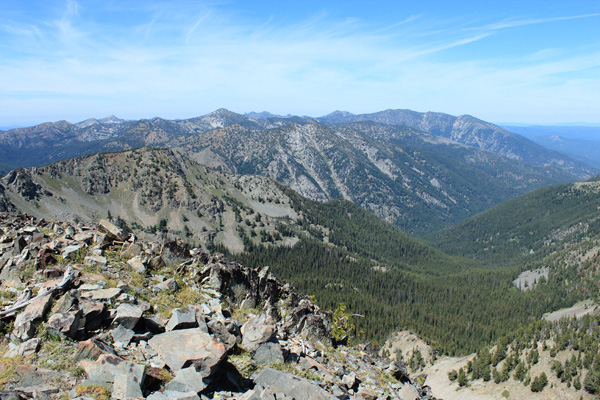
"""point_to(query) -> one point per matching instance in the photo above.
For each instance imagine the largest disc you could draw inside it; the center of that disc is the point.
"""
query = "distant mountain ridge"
(470, 131)
(422, 181)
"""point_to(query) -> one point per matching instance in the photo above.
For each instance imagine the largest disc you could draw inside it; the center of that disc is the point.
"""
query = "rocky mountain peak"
(91, 309)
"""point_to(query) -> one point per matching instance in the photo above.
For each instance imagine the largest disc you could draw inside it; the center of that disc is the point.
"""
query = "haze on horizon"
(534, 62)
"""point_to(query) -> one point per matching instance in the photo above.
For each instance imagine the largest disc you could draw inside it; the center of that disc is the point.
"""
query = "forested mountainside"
(420, 181)
(335, 251)
(527, 228)
(556, 355)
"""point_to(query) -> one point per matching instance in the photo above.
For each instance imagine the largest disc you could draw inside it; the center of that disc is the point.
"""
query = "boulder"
(128, 315)
(169, 284)
(290, 385)
(220, 331)
(103, 294)
(182, 319)
(97, 261)
(125, 387)
(122, 335)
(257, 331)
(182, 348)
(137, 265)
(27, 321)
(187, 380)
(154, 324)
(268, 353)
(112, 230)
(93, 348)
(24, 349)
(65, 323)
(70, 251)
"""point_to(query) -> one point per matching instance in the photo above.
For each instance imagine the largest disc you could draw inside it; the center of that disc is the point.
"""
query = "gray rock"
(154, 324)
(256, 331)
(31, 317)
(169, 284)
(29, 375)
(65, 323)
(93, 348)
(108, 366)
(86, 237)
(349, 380)
(93, 312)
(103, 294)
(122, 335)
(181, 348)
(220, 331)
(24, 349)
(90, 286)
(268, 353)
(69, 251)
(128, 315)
(125, 387)
(187, 380)
(65, 303)
(98, 261)
(172, 395)
(290, 385)
(137, 265)
(182, 319)
(113, 230)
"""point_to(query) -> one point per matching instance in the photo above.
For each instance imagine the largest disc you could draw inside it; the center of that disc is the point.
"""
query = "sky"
(508, 61)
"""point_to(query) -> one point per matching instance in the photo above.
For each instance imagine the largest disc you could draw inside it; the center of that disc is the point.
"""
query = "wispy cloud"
(515, 22)
(183, 61)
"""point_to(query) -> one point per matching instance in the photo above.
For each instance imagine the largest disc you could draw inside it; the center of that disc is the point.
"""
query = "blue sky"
(502, 61)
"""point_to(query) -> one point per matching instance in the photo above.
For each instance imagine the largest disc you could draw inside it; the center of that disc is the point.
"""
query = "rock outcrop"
(74, 326)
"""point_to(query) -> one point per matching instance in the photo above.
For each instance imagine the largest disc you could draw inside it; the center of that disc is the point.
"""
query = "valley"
(330, 205)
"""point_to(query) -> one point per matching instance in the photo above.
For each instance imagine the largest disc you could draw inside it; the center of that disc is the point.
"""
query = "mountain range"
(507, 235)
(434, 172)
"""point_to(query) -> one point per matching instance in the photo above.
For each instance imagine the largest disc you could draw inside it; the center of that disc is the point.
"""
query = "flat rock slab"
(291, 386)
(108, 366)
(181, 348)
(93, 348)
(24, 349)
(98, 261)
(29, 375)
(102, 294)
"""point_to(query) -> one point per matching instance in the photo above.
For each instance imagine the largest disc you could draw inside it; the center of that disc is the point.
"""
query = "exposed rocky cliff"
(91, 311)
(472, 132)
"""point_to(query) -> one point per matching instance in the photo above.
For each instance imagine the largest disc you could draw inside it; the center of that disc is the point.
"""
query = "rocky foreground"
(88, 311)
